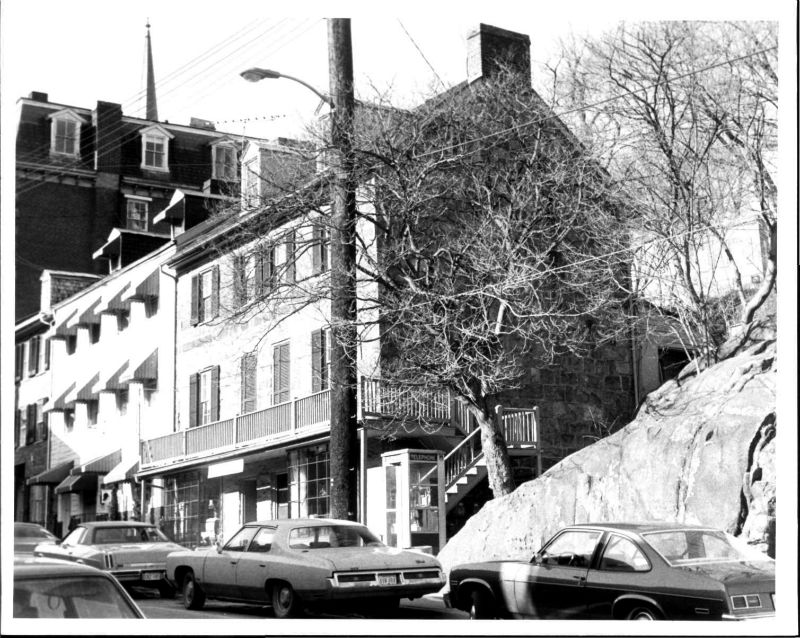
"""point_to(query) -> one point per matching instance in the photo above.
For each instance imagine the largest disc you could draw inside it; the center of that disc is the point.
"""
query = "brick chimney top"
(489, 48)
(38, 96)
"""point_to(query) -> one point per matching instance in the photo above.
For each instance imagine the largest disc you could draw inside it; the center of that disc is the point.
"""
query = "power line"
(430, 66)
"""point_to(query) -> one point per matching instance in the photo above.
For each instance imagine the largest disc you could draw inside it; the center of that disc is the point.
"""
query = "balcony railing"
(285, 420)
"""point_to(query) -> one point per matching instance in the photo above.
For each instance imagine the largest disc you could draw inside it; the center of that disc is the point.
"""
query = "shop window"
(309, 482)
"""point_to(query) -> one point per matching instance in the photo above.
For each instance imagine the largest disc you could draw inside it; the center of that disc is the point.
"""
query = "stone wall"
(701, 450)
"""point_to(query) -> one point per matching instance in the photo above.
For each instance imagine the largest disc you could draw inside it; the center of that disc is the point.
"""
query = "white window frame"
(224, 149)
(204, 397)
(157, 134)
(129, 199)
(70, 117)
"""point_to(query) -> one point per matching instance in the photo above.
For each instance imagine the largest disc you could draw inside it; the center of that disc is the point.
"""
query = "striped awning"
(53, 476)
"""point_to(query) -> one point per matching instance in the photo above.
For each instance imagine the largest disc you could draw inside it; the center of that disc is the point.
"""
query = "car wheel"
(642, 613)
(165, 590)
(193, 595)
(481, 606)
(285, 602)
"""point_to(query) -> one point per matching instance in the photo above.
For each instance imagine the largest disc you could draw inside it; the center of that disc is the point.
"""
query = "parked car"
(296, 563)
(45, 588)
(29, 535)
(134, 553)
(622, 571)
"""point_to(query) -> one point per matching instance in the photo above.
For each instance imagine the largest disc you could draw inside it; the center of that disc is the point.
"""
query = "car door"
(552, 584)
(253, 568)
(220, 569)
(622, 568)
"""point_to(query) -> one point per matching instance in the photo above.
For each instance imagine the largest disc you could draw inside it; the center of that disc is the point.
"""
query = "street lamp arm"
(255, 74)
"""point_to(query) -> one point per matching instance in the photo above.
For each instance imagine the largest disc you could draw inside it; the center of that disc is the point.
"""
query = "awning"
(78, 483)
(53, 476)
(102, 464)
(124, 471)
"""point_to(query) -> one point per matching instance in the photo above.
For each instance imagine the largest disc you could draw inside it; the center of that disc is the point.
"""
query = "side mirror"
(538, 558)
(219, 546)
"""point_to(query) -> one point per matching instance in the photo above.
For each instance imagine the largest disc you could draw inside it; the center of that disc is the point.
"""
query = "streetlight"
(343, 353)
(257, 74)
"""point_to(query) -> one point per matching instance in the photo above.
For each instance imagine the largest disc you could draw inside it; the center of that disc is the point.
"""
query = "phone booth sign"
(414, 500)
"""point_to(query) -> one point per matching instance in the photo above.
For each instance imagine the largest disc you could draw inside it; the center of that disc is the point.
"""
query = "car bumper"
(762, 616)
(447, 602)
(143, 577)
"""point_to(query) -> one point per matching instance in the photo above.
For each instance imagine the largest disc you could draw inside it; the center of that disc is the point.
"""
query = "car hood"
(369, 558)
(736, 575)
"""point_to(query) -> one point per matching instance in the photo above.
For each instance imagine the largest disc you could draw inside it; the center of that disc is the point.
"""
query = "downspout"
(50, 491)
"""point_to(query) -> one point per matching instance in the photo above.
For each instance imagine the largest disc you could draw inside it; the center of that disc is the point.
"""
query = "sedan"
(134, 553)
(623, 571)
(291, 564)
(28, 535)
(46, 588)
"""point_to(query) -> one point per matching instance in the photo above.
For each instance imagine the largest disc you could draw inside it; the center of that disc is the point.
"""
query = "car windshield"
(325, 536)
(25, 531)
(106, 535)
(692, 546)
(70, 597)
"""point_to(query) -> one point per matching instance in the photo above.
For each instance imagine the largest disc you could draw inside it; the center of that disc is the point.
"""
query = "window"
(289, 273)
(240, 280)
(33, 355)
(224, 162)
(251, 182)
(136, 213)
(17, 427)
(622, 555)
(204, 397)
(571, 549)
(248, 382)
(205, 296)
(320, 360)
(42, 426)
(30, 424)
(241, 540)
(280, 373)
(19, 370)
(262, 542)
(309, 481)
(264, 271)
(65, 134)
(155, 148)
(319, 249)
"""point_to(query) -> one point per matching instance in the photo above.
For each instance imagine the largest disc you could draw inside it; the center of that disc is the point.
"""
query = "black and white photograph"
(420, 319)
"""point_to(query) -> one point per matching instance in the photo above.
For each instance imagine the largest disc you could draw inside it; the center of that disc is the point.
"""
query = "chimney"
(198, 122)
(107, 122)
(489, 49)
(38, 96)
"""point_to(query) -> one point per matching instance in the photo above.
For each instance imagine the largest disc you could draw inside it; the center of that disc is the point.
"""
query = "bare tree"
(684, 115)
(489, 244)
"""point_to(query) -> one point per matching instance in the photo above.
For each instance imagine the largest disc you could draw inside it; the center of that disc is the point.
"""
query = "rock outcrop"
(701, 450)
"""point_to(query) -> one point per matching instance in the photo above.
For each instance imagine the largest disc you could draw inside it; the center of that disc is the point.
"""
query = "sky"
(82, 51)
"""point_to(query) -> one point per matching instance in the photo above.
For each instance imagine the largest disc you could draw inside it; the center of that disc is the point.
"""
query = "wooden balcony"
(282, 422)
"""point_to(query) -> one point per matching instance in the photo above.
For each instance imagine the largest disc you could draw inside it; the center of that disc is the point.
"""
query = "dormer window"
(225, 161)
(65, 133)
(155, 148)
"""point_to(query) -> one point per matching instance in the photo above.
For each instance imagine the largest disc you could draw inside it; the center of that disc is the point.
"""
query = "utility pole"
(343, 437)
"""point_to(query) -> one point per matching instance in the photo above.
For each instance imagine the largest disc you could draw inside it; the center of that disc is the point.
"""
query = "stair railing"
(462, 457)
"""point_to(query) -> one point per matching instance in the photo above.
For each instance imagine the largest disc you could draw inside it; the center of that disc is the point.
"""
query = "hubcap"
(285, 597)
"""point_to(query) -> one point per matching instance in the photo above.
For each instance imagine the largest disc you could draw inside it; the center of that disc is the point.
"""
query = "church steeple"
(152, 109)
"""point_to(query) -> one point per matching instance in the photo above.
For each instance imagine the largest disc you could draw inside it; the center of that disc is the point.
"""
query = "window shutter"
(280, 379)
(194, 385)
(239, 281)
(215, 393)
(316, 361)
(20, 361)
(214, 293)
(17, 426)
(33, 356)
(47, 354)
(195, 319)
(290, 257)
(316, 250)
(30, 424)
(248, 384)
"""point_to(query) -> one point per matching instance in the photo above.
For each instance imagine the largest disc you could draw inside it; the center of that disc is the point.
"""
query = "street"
(421, 608)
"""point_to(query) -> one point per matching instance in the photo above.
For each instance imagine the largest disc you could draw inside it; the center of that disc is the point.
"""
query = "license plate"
(152, 576)
(387, 580)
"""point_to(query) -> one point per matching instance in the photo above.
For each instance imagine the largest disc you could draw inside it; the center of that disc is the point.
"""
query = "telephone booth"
(406, 505)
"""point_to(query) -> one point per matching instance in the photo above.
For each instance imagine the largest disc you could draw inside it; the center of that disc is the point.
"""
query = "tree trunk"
(495, 452)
